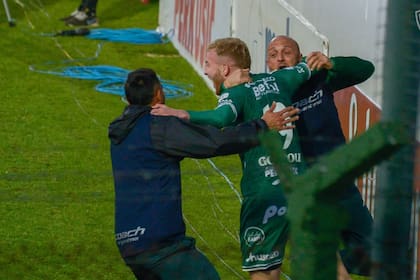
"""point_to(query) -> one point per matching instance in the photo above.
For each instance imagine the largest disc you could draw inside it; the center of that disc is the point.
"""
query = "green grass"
(56, 186)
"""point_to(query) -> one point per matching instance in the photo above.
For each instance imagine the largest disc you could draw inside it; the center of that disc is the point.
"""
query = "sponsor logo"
(294, 157)
(270, 172)
(129, 236)
(262, 257)
(273, 211)
(310, 102)
(223, 96)
(276, 182)
(300, 69)
(224, 100)
(254, 236)
(291, 157)
(264, 161)
(263, 87)
(295, 170)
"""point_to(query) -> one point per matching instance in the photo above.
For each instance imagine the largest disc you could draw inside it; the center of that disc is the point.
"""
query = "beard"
(217, 82)
(217, 85)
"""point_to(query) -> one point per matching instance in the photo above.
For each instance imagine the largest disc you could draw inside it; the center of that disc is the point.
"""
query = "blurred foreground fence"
(392, 197)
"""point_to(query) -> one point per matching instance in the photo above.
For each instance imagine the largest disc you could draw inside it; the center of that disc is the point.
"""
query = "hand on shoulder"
(163, 110)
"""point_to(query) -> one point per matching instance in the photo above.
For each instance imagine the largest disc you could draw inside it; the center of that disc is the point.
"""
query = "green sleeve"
(293, 77)
(219, 117)
(348, 71)
(226, 113)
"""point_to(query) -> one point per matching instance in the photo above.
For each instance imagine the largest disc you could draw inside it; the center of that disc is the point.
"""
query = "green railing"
(315, 220)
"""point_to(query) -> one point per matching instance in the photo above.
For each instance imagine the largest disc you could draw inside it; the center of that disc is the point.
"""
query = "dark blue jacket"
(319, 126)
(145, 153)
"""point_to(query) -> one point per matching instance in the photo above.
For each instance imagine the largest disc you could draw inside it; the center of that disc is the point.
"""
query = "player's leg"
(272, 274)
(181, 261)
(264, 233)
(356, 236)
(342, 273)
(188, 263)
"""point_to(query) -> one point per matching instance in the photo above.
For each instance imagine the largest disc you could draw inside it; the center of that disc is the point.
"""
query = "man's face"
(213, 68)
(282, 52)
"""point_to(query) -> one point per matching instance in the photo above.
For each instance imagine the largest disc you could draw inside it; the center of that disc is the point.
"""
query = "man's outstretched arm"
(223, 116)
(348, 71)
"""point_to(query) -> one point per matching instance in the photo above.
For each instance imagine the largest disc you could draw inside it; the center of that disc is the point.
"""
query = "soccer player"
(263, 225)
(320, 132)
(146, 152)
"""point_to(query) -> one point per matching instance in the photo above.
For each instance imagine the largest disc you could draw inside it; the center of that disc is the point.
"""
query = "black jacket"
(145, 153)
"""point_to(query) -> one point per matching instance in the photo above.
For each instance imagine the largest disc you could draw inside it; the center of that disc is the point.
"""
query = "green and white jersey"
(249, 101)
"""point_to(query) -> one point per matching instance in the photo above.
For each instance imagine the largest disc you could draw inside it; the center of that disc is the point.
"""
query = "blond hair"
(233, 48)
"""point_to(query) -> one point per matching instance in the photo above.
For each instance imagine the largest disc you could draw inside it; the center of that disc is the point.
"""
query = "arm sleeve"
(226, 113)
(348, 71)
(180, 138)
(294, 77)
(220, 117)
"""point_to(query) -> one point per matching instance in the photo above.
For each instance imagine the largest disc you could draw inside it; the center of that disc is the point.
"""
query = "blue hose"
(127, 35)
(112, 79)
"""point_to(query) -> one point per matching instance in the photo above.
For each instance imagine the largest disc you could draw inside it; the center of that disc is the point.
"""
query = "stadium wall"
(349, 28)
(197, 23)
(337, 28)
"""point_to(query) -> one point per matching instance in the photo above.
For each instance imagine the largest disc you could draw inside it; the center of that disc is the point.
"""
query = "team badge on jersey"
(254, 236)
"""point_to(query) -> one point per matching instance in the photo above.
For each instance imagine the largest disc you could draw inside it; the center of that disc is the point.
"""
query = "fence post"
(394, 192)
